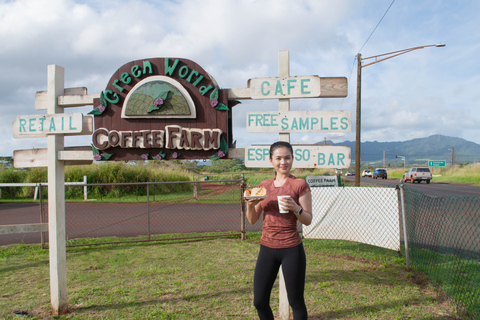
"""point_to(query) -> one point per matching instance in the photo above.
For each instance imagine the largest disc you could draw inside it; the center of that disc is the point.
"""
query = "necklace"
(279, 183)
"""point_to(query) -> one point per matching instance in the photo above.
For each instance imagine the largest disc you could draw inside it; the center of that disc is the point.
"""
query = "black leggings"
(293, 263)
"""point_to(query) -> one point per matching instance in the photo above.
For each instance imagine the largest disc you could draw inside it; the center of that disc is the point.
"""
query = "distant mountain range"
(416, 151)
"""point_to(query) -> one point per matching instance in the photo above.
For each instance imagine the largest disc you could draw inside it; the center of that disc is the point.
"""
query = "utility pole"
(358, 123)
(384, 56)
(453, 156)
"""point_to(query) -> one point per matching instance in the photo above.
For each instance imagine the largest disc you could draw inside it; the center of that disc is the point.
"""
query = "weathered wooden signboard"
(304, 156)
(297, 87)
(162, 108)
(285, 121)
(41, 125)
(299, 121)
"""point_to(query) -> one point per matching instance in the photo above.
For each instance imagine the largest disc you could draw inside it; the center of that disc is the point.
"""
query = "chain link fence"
(149, 211)
(443, 233)
(367, 215)
(444, 242)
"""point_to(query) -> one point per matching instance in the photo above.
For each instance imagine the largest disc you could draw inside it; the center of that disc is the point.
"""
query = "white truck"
(418, 174)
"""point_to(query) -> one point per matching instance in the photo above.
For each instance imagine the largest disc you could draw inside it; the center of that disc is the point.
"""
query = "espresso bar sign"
(304, 156)
(161, 108)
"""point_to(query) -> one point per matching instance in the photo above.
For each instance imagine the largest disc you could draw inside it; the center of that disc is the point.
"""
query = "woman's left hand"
(289, 203)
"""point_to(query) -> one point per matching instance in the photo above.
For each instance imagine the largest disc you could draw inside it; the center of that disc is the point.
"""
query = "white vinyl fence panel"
(366, 215)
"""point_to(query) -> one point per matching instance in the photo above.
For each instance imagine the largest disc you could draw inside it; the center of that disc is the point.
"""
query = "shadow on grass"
(187, 298)
(24, 266)
(348, 313)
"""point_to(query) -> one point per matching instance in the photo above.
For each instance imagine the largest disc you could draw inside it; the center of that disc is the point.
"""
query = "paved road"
(93, 219)
(433, 189)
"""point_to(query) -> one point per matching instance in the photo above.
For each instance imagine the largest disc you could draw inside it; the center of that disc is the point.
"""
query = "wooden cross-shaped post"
(283, 106)
(56, 197)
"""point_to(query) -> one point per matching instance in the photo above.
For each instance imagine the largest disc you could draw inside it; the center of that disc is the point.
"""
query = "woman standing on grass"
(280, 243)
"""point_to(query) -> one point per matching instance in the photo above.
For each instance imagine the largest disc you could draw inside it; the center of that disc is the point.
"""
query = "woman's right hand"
(253, 202)
(252, 214)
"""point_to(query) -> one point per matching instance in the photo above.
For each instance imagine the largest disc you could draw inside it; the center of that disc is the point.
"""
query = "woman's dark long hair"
(280, 144)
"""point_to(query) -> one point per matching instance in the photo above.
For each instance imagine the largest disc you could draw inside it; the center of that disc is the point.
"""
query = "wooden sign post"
(54, 126)
(284, 122)
(199, 127)
(56, 198)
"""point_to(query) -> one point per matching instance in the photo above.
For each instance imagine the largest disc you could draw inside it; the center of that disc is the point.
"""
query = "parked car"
(367, 173)
(380, 173)
(350, 173)
(418, 174)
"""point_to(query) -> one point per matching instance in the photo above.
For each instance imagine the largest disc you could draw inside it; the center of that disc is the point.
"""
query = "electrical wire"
(355, 59)
(376, 26)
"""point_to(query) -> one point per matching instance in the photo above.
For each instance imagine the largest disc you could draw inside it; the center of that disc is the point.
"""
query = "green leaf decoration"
(106, 156)
(95, 112)
(103, 100)
(221, 107)
(152, 108)
(163, 154)
(223, 145)
(214, 94)
(94, 150)
(164, 96)
(214, 157)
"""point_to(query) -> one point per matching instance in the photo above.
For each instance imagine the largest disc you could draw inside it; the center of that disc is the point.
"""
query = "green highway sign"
(436, 163)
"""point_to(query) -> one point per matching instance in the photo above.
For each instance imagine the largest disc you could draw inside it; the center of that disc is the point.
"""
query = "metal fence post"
(85, 194)
(42, 234)
(404, 222)
(148, 210)
(243, 215)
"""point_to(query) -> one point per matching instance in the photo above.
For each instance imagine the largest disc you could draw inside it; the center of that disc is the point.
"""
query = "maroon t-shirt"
(280, 229)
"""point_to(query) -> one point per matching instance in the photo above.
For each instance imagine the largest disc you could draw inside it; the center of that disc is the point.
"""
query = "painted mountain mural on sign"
(143, 101)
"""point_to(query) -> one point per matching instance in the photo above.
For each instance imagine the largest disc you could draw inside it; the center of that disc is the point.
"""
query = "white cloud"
(238, 40)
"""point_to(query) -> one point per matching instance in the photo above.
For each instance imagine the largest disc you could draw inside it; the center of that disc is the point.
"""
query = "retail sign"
(299, 121)
(161, 108)
(298, 87)
(41, 125)
(304, 156)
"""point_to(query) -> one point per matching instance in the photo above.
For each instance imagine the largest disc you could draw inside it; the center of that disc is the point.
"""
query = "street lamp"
(384, 56)
(397, 156)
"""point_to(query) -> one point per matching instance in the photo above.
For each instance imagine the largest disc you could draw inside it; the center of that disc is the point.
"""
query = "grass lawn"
(212, 279)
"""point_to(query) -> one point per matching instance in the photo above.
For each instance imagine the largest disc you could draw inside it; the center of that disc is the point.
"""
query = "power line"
(355, 59)
(376, 26)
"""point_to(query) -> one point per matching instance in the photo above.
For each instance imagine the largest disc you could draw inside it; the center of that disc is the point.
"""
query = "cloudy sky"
(424, 92)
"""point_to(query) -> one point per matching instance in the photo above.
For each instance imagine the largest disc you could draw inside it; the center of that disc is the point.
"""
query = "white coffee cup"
(280, 208)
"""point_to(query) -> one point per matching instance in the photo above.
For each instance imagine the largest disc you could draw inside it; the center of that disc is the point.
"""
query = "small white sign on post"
(322, 181)
(288, 87)
(305, 156)
(299, 121)
(41, 125)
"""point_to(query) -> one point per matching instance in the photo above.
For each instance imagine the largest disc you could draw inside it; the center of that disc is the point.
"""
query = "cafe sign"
(161, 108)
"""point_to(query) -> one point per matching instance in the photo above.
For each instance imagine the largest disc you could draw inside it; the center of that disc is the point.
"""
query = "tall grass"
(105, 172)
